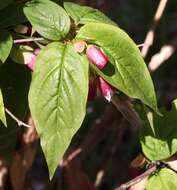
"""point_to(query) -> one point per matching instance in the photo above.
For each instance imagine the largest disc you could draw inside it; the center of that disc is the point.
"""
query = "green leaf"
(57, 98)
(12, 15)
(165, 179)
(126, 71)
(84, 14)
(159, 133)
(2, 111)
(5, 3)
(6, 42)
(48, 19)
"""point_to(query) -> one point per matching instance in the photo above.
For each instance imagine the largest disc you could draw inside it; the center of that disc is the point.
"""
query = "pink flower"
(105, 89)
(37, 51)
(80, 46)
(29, 59)
(96, 56)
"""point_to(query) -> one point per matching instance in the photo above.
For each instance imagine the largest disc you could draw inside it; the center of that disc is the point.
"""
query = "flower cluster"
(97, 57)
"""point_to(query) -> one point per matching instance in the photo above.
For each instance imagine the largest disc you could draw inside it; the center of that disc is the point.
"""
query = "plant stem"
(151, 33)
(28, 40)
(137, 179)
(19, 122)
(140, 45)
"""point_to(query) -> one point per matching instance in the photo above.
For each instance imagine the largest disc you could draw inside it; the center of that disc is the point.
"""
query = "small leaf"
(5, 3)
(6, 42)
(165, 179)
(12, 15)
(159, 133)
(84, 14)
(2, 111)
(48, 19)
(126, 71)
(57, 98)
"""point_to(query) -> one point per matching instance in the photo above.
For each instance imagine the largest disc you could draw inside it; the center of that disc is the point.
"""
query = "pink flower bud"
(37, 51)
(29, 59)
(105, 89)
(96, 56)
(92, 89)
(80, 46)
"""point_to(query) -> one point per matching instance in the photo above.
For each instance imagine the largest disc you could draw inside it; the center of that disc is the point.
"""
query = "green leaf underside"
(159, 133)
(5, 3)
(57, 98)
(126, 70)
(12, 15)
(84, 14)
(2, 111)
(48, 19)
(165, 179)
(6, 42)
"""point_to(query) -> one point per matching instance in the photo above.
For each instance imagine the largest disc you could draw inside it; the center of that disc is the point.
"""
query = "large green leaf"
(159, 133)
(12, 15)
(6, 42)
(126, 70)
(2, 111)
(5, 3)
(48, 19)
(57, 98)
(165, 179)
(84, 14)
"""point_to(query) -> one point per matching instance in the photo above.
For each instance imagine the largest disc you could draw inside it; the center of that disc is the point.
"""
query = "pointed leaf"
(165, 179)
(84, 14)
(48, 19)
(2, 111)
(126, 70)
(159, 133)
(5, 45)
(57, 98)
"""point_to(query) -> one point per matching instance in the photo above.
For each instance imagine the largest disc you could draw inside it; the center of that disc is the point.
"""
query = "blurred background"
(106, 144)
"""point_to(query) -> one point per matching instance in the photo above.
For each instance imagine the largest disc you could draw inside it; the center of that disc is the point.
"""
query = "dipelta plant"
(68, 48)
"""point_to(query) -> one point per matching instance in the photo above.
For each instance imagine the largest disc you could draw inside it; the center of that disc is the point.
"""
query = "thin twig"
(150, 35)
(28, 40)
(19, 122)
(167, 165)
(137, 179)
(164, 54)
(125, 106)
(140, 45)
